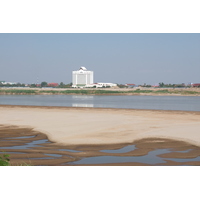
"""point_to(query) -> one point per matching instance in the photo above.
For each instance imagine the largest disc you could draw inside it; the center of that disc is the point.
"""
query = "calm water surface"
(185, 103)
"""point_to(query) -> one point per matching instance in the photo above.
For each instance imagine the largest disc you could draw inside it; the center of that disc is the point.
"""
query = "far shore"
(82, 126)
(102, 91)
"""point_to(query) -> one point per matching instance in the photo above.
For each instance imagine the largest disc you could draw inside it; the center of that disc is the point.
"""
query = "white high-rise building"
(82, 77)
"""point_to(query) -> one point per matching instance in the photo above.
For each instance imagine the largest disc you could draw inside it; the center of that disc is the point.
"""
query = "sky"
(120, 58)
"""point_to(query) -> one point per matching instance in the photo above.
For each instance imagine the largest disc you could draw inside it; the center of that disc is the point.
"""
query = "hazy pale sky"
(114, 57)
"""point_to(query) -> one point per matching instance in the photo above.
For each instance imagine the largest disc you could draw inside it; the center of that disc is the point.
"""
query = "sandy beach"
(81, 126)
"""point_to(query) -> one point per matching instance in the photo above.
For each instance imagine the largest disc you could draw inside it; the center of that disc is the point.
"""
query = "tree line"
(35, 85)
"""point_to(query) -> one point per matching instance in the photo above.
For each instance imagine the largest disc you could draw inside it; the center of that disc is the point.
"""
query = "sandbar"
(75, 126)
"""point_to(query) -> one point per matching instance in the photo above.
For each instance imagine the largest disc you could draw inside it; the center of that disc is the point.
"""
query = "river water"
(184, 103)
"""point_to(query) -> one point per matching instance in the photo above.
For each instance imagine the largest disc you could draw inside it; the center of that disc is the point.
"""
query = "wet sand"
(46, 154)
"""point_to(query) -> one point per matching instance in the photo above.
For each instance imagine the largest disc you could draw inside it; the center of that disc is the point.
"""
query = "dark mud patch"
(28, 147)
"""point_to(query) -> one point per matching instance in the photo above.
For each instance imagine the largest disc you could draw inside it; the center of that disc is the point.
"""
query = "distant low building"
(7, 83)
(195, 84)
(53, 84)
(130, 85)
(155, 86)
(101, 85)
(106, 84)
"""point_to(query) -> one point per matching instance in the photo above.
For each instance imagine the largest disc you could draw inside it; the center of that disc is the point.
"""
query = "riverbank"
(98, 126)
(105, 91)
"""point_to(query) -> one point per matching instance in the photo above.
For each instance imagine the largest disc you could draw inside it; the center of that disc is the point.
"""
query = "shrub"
(4, 160)
(161, 91)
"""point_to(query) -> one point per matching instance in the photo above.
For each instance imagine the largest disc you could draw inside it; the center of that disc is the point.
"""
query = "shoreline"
(82, 126)
(120, 94)
(96, 108)
(103, 91)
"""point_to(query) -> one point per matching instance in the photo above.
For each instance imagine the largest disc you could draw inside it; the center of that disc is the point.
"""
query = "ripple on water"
(186, 151)
(28, 145)
(125, 149)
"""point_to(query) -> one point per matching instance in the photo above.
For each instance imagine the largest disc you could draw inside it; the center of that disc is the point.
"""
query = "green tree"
(61, 85)
(33, 85)
(44, 84)
(161, 84)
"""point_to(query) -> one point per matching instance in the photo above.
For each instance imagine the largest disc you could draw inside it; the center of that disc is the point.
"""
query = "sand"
(73, 126)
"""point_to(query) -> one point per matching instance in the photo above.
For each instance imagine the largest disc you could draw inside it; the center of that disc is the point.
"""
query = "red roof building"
(53, 85)
(196, 85)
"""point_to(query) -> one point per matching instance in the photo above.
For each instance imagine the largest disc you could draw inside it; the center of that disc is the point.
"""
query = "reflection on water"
(82, 101)
(187, 103)
(82, 105)
(82, 97)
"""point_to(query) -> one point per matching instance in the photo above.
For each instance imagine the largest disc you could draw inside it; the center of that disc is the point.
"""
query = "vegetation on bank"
(96, 92)
(17, 91)
(4, 160)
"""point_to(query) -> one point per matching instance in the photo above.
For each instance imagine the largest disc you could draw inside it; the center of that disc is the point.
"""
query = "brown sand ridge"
(73, 126)
(49, 153)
